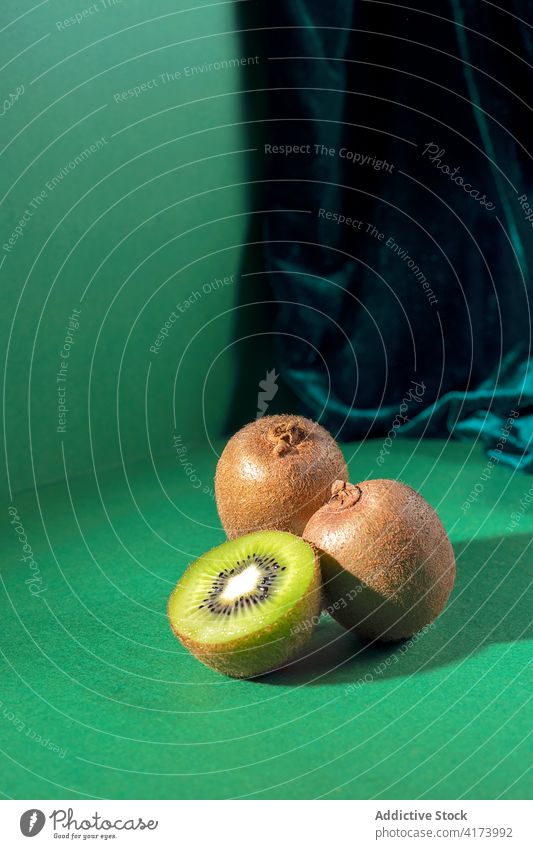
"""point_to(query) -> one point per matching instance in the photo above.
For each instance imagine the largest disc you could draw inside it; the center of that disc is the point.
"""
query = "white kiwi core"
(241, 584)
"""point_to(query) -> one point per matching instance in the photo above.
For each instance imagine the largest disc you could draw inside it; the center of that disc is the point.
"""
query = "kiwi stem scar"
(286, 437)
(345, 494)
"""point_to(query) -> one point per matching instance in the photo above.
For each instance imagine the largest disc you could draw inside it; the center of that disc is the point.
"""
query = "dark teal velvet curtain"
(399, 147)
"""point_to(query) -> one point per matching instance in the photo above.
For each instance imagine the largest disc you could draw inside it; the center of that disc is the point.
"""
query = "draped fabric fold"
(398, 144)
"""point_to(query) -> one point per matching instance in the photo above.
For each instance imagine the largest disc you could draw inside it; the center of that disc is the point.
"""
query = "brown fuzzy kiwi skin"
(266, 650)
(275, 473)
(388, 566)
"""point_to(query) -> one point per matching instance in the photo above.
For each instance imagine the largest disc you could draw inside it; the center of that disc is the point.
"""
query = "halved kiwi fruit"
(247, 606)
(387, 564)
(275, 473)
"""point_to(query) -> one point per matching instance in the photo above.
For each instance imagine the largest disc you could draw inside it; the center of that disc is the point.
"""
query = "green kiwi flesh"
(247, 606)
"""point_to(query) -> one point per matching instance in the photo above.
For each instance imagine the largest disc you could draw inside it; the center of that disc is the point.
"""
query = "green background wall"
(129, 231)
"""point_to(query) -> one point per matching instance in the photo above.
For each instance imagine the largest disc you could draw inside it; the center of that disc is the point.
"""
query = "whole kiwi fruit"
(388, 566)
(275, 473)
(247, 606)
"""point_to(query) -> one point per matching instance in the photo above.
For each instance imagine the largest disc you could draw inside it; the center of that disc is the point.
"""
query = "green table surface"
(99, 700)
